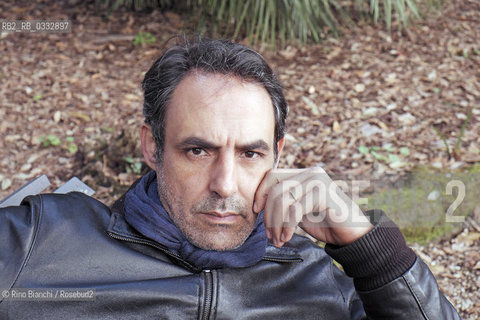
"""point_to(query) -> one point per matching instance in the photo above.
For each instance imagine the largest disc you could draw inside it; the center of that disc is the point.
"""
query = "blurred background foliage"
(282, 21)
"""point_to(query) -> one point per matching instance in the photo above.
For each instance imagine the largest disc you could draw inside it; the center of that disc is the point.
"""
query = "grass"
(419, 203)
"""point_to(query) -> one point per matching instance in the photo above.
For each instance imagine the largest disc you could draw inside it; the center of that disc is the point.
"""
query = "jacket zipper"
(273, 259)
(207, 272)
(152, 244)
(208, 293)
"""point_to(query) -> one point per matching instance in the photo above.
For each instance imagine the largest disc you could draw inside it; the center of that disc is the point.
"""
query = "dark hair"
(210, 56)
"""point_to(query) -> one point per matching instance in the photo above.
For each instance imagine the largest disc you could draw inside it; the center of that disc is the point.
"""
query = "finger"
(314, 224)
(314, 220)
(294, 216)
(283, 212)
(287, 234)
(273, 217)
(309, 179)
(261, 193)
(281, 188)
(280, 214)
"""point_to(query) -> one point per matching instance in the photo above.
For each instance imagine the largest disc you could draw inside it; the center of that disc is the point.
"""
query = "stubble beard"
(219, 237)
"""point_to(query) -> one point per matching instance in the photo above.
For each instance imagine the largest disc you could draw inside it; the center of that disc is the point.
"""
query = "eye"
(251, 154)
(197, 151)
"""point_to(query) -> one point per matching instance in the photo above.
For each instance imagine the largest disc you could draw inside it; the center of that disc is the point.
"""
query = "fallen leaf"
(78, 115)
(336, 126)
(311, 105)
(359, 87)
(6, 183)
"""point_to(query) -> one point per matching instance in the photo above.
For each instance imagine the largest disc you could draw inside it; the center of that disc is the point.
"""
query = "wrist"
(376, 258)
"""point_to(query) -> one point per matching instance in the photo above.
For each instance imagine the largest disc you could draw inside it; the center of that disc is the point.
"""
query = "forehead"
(220, 107)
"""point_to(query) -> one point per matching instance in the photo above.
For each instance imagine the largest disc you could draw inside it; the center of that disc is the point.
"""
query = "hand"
(308, 198)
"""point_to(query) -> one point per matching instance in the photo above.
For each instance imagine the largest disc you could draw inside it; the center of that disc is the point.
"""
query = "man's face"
(218, 146)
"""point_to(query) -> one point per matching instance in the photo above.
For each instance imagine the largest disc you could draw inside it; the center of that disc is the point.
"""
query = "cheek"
(250, 181)
(185, 181)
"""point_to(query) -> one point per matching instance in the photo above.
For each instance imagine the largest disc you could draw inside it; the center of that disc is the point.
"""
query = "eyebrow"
(202, 143)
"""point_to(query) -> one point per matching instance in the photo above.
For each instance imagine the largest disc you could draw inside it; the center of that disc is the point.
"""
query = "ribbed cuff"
(378, 257)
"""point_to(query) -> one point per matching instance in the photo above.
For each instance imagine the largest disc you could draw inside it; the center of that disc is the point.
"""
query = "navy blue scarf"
(145, 213)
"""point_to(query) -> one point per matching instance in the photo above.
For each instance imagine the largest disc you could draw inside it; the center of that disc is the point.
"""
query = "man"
(209, 232)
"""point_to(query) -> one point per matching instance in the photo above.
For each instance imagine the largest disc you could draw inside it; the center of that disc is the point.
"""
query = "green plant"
(70, 145)
(52, 140)
(387, 154)
(133, 165)
(455, 153)
(281, 20)
(143, 38)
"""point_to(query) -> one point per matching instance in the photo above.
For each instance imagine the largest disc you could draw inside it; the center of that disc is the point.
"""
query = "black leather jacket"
(73, 241)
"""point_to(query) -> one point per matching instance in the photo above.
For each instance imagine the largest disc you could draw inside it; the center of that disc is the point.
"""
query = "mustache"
(214, 203)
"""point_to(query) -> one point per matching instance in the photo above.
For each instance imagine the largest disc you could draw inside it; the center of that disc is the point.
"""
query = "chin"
(218, 242)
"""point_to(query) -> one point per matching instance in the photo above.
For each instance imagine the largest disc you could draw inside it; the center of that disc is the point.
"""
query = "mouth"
(221, 217)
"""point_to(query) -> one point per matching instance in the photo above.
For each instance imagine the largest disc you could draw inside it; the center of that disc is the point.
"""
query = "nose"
(223, 177)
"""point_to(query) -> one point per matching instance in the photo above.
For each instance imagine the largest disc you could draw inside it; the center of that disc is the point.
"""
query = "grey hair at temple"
(210, 56)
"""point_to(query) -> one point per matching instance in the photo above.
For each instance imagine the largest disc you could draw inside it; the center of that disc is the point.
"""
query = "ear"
(280, 145)
(148, 146)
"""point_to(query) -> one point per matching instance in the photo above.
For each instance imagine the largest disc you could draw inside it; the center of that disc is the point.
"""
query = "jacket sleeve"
(392, 282)
(17, 235)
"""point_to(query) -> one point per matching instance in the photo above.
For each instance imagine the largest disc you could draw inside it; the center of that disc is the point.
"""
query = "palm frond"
(272, 21)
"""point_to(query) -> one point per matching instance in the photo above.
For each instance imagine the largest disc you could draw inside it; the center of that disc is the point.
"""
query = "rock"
(311, 90)
(434, 195)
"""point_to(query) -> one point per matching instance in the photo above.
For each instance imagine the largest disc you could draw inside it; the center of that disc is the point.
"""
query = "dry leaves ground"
(365, 105)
